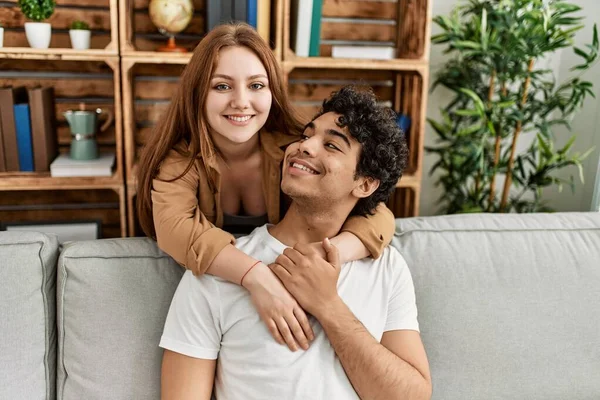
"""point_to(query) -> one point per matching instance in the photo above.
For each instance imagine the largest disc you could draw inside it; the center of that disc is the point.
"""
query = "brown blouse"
(188, 215)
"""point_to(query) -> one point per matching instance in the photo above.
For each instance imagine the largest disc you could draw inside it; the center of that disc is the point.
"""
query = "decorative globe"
(171, 16)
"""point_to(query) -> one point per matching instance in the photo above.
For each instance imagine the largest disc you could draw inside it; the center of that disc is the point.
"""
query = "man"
(367, 344)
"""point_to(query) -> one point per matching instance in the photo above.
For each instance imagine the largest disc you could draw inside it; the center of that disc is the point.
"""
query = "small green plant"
(37, 10)
(80, 25)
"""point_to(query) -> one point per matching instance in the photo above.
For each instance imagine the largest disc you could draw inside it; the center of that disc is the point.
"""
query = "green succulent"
(80, 25)
(37, 10)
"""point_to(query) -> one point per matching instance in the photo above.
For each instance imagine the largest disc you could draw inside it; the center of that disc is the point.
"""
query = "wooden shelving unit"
(142, 80)
(90, 76)
(400, 83)
(101, 15)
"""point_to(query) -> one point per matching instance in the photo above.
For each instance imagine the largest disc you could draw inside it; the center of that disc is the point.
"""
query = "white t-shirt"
(211, 318)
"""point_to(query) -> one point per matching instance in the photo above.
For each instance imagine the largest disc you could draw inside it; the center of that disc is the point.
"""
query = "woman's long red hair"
(185, 119)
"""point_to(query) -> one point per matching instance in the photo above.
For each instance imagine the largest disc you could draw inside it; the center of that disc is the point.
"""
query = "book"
(65, 166)
(302, 20)
(218, 12)
(9, 96)
(252, 13)
(240, 10)
(315, 30)
(264, 20)
(365, 52)
(24, 143)
(43, 122)
(403, 121)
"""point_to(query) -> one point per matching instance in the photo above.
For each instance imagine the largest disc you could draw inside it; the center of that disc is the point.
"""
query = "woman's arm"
(361, 237)
(184, 232)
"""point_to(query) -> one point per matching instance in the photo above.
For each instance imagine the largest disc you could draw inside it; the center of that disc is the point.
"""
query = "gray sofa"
(509, 308)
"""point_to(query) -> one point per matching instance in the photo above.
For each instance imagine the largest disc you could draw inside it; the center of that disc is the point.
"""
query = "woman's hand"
(282, 314)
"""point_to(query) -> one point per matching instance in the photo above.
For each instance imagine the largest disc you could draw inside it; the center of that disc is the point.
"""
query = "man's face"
(321, 166)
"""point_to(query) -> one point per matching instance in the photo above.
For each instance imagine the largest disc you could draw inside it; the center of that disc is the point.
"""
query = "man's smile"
(301, 165)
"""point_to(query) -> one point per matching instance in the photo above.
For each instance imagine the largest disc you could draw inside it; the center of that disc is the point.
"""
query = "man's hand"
(311, 279)
(286, 320)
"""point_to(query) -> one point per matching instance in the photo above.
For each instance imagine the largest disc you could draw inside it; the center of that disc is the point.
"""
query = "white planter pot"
(1, 37)
(38, 34)
(80, 38)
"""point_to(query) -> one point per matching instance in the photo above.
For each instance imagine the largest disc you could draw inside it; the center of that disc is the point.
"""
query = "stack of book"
(306, 27)
(66, 166)
(305, 35)
(28, 141)
(254, 12)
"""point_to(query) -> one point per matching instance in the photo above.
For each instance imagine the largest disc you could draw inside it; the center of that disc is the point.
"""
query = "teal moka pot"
(84, 126)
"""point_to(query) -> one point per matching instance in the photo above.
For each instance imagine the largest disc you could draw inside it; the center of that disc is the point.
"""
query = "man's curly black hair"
(384, 153)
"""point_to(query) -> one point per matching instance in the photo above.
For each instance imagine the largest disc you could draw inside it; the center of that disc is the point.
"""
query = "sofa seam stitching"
(108, 258)
(43, 288)
(496, 230)
(61, 354)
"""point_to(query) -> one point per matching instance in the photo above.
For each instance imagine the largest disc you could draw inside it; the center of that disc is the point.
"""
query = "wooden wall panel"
(400, 23)
(61, 19)
(153, 86)
(96, 13)
(144, 36)
(409, 90)
(403, 203)
(360, 9)
(16, 38)
(366, 32)
(309, 87)
(90, 83)
(413, 36)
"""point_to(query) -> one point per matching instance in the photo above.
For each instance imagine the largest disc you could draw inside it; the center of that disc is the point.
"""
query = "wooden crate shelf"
(101, 15)
(351, 63)
(43, 181)
(92, 82)
(95, 81)
(124, 73)
(138, 33)
(404, 202)
(107, 206)
(133, 227)
(401, 90)
(27, 53)
(403, 24)
(147, 91)
(140, 38)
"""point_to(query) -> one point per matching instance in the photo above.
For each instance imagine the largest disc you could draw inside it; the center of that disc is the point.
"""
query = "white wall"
(585, 123)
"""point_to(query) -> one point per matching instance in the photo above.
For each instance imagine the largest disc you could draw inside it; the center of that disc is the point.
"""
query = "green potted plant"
(496, 140)
(80, 35)
(38, 33)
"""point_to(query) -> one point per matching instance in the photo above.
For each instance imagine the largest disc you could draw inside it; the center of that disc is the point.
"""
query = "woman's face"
(239, 98)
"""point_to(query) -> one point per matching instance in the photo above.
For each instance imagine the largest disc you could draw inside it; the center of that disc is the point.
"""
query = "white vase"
(38, 34)
(1, 36)
(80, 38)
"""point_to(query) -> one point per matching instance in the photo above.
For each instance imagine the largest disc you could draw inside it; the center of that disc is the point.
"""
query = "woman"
(214, 164)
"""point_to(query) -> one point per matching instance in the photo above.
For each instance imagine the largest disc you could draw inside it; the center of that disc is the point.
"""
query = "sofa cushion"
(28, 315)
(508, 304)
(113, 298)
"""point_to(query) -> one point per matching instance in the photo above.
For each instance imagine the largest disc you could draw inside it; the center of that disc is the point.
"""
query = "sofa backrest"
(113, 296)
(508, 309)
(509, 305)
(27, 315)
